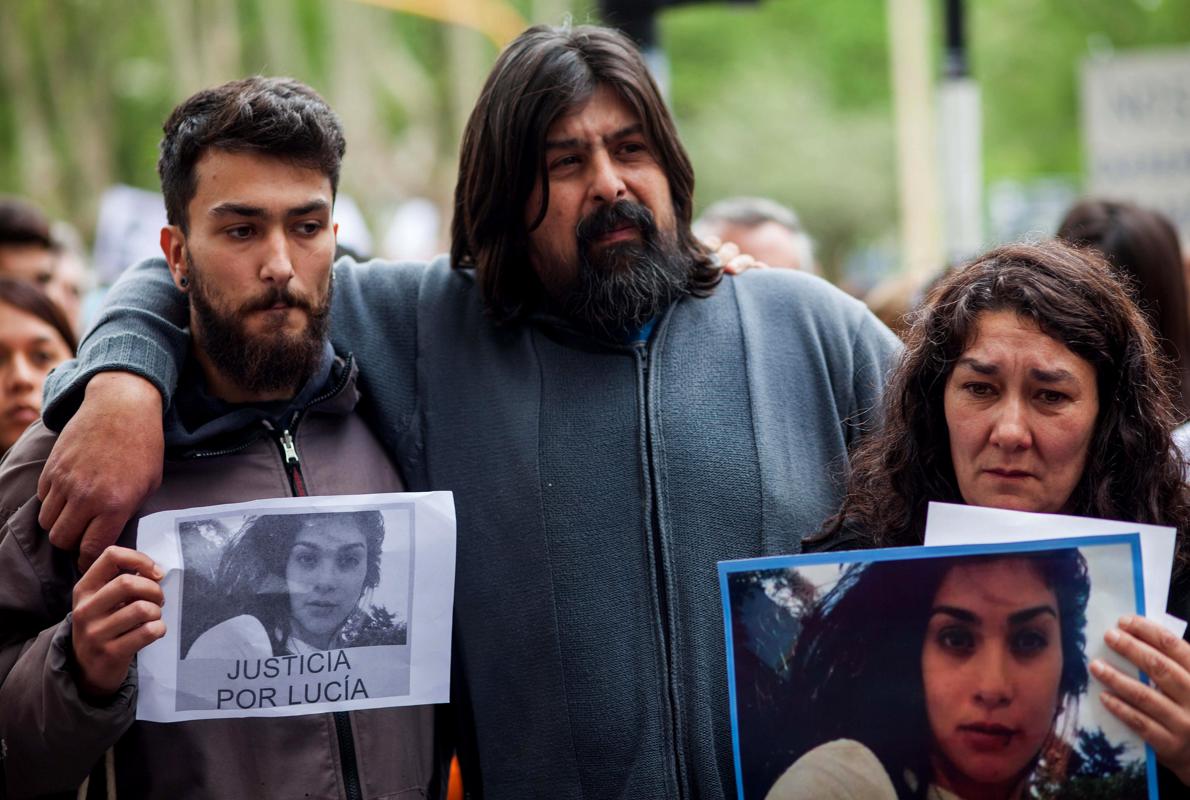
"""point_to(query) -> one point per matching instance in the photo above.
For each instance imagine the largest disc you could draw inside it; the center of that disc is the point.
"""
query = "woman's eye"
(1051, 396)
(42, 358)
(1029, 642)
(349, 562)
(979, 389)
(307, 560)
(956, 640)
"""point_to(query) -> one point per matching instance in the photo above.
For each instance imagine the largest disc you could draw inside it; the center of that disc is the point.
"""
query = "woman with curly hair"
(988, 651)
(1031, 381)
(296, 581)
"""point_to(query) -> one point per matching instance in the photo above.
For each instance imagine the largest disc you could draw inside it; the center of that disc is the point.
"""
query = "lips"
(987, 736)
(620, 234)
(319, 608)
(1008, 474)
(22, 414)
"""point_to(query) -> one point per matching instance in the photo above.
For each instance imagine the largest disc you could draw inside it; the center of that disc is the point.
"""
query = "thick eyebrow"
(576, 143)
(256, 212)
(1015, 618)
(1042, 375)
(961, 614)
(1029, 613)
(1051, 375)
(236, 210)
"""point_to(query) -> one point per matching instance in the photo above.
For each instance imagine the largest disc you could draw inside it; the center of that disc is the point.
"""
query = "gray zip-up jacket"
(596, 484)
(52, 737)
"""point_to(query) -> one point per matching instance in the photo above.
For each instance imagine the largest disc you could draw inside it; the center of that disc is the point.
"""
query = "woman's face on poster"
(991, 668)
(325, 576)
(1020, 412)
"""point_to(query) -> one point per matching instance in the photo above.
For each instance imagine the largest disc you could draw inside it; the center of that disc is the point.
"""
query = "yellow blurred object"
(495, 19)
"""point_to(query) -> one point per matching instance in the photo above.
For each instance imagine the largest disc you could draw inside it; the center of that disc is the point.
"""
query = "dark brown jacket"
(51, 738)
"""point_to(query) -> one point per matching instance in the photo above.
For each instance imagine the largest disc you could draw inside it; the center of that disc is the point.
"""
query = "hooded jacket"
(51, 736)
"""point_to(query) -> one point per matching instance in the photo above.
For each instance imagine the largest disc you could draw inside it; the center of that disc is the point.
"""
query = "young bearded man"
(263, 408)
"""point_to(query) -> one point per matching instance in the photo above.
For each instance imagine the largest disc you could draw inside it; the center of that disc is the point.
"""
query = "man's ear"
(173, 245)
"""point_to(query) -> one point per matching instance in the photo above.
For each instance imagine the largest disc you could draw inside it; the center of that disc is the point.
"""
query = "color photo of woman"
(944, 678)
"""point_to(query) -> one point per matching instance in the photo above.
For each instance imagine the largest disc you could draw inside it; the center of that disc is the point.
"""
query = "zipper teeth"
(348, 762)
(662, 577)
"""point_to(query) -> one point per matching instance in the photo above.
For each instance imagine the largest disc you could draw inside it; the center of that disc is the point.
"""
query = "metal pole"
(917, 173)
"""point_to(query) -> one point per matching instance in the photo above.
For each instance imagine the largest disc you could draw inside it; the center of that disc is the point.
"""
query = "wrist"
(127, 387)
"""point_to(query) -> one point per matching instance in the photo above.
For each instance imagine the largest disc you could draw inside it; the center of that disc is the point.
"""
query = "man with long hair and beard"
(264, 408)
(612, 413)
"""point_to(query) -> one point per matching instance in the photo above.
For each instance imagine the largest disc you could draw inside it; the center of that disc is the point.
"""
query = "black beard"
(620, 287)
(264, 363)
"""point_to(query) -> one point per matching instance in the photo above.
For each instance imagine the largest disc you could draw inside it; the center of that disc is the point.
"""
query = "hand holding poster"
(300, 605)
(932, 672)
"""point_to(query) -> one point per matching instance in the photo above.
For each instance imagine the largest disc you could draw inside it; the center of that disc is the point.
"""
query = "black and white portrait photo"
(281, 605)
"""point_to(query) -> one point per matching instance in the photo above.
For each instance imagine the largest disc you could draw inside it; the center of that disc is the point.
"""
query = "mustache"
(620, 214)
(277, 296)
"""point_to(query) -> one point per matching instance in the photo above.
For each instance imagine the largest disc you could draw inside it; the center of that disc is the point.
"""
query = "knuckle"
(148, 611)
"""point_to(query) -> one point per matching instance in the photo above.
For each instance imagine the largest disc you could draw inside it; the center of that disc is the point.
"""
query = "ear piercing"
(184, 282)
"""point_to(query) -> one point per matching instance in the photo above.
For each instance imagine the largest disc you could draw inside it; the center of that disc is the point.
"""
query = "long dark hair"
(544, 74)
(251, 576)
(1133, 471)
(867, 633)
(1142, 245)
(27, 297)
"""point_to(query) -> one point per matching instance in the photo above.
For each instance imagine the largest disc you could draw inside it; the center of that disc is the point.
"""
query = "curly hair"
(1133, 471)
(852, 640)
(251, 575)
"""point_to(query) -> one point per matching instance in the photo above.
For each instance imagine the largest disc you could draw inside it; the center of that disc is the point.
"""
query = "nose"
(993, 687)
(324, 578)
(607, 185)
(20, 376)
(276, 263)
(1010, 430)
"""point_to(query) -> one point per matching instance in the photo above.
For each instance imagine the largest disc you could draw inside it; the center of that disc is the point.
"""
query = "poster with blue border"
(945, 673)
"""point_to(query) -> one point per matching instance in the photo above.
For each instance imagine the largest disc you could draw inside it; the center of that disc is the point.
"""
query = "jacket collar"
(197, 421)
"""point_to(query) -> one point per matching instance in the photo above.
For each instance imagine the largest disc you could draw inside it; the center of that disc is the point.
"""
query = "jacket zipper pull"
(291, 456)
(292, 464)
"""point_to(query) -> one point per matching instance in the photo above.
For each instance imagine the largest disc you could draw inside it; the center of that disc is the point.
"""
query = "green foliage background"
(786, 98)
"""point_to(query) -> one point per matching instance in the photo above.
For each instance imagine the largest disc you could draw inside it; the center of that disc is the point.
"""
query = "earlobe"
(173, 246)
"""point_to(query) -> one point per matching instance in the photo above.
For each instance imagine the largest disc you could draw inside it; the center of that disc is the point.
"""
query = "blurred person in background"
(71, 278)
(1142, 246)
(26, 245)
(35, 337)
(763, 228)
(34, 249)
